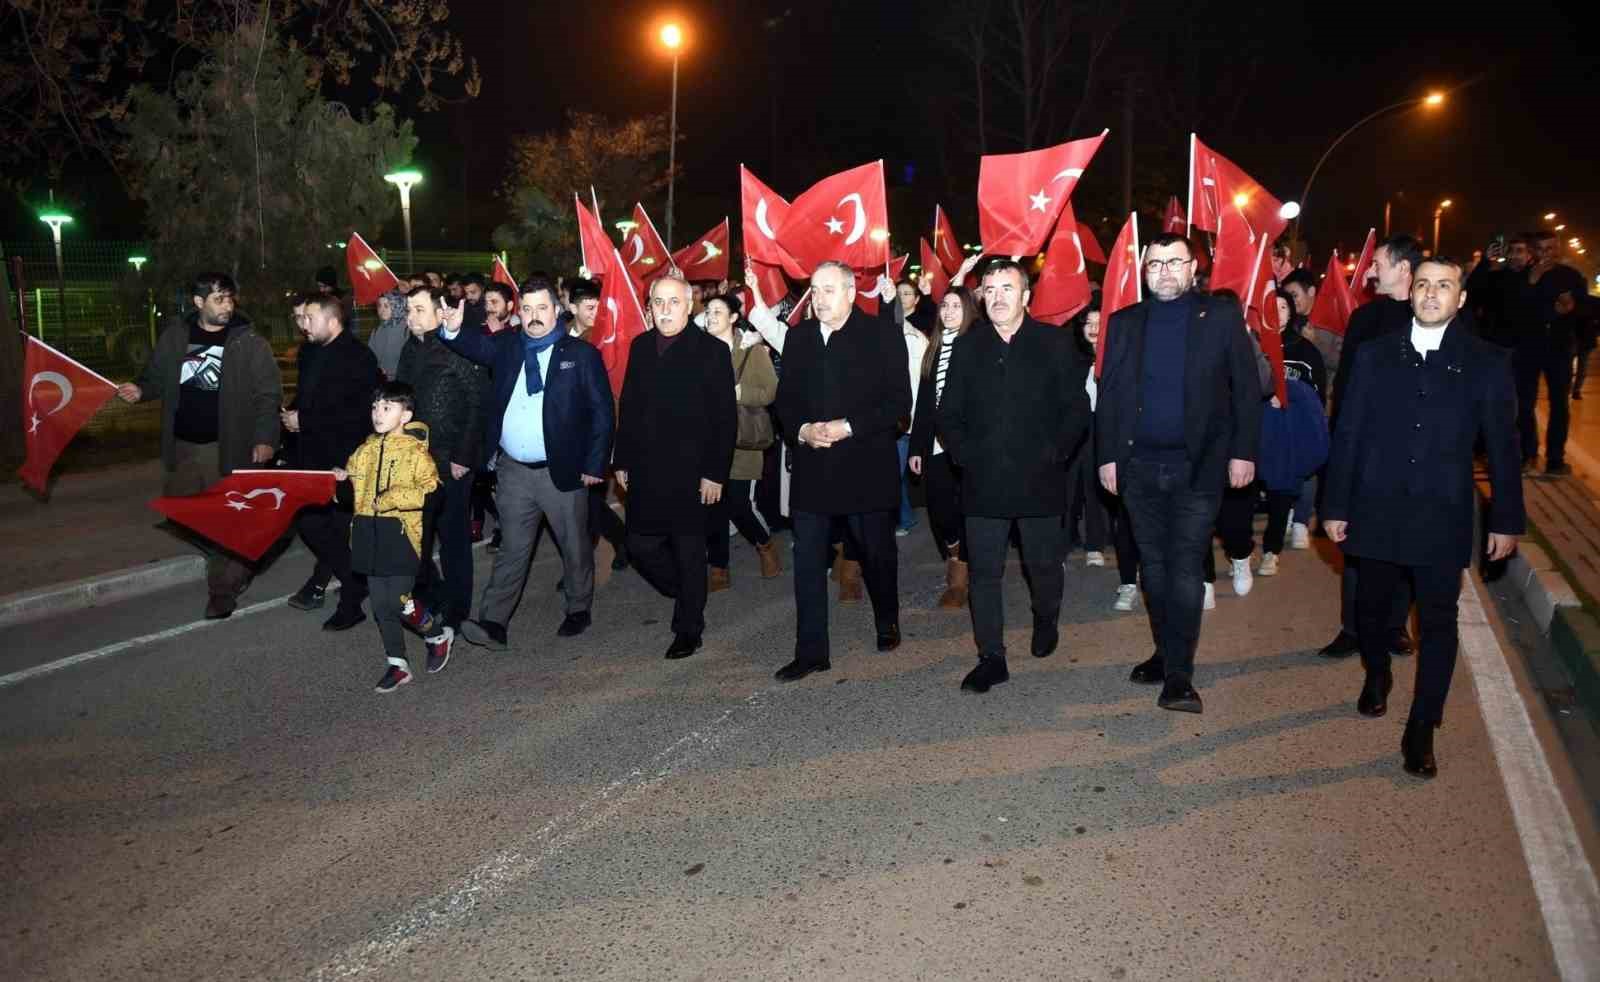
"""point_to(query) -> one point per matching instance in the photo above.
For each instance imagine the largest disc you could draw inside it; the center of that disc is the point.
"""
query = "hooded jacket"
(390, 476)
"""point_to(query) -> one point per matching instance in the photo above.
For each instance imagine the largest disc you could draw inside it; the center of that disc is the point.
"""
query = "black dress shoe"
(1179, 696)
(797, 669)
(1151, 671)
(1374, 698)
(485, 634)
(574, 624)
(1416, 747)
(619, 562)
(683, 645)
(991, 671)
(1400, 644)
(889, 638)
(1045, 639)
(344, 620)
(1343, 646)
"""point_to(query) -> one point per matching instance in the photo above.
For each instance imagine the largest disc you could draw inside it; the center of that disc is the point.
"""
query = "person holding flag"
(1177, 420)
(221, 394)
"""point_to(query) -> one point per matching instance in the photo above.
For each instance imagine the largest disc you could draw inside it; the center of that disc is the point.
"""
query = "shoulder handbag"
(755, 423)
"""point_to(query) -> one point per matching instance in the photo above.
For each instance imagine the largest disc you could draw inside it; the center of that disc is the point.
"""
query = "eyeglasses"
(1169, 265)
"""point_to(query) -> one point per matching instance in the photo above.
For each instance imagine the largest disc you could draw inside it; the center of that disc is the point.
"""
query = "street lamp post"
(56, 219)
(1438, 214)
(1431, 101)
(405, 180)
(672, 38)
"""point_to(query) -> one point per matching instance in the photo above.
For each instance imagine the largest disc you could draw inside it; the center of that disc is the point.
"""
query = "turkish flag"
(647, 255)
(1334, 301)
(1123, 286)
(844, 217)
(1359, 290)
(1173, 222)
(934, 268)
(1261, 315)
(771, 281)
(620, 320)
(50, 422)
(247, 511)
(867, 281)
(764, 211)
(945, 244)
(501, 274)
(370, 276)
(707, 257)
(1063, 287)
(1020, 195)
(1225, 200)
(801, 309)
(1089, 245)
(594, 244)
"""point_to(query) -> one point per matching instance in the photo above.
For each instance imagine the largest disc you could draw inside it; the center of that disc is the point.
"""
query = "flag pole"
(1188, 218)
(583, 251)
(1138, 274)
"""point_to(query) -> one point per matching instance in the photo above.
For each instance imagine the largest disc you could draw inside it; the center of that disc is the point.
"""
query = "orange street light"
(672, 36)
(1432, 100)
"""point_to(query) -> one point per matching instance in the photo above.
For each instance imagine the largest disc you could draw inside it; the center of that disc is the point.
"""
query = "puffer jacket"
(390, 476)
(449, 397)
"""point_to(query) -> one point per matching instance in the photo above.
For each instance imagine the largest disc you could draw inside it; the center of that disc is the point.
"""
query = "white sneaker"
(1211, 597)
(1269, 564)
(1093, 558)
(1242, 580)
(1127, 596)
(1300, 536)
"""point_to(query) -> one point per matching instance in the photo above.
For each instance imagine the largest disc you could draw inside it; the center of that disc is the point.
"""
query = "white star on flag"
(238, 506)
(1039, 200)
(835, 227)
(35, 427)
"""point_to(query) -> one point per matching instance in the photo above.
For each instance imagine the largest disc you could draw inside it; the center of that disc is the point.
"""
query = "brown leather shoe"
(771, 565)
(717, 580)
(850, 591)
(955, 591)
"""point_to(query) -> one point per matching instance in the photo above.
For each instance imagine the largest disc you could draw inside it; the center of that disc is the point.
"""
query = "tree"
(544, 234)
(68, 68)
(624, 162)
(245, 168)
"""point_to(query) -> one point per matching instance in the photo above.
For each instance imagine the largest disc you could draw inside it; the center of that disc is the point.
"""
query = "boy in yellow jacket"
(392, 474)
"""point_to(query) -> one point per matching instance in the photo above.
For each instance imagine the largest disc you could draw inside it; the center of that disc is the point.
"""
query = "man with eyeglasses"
(1177, 420)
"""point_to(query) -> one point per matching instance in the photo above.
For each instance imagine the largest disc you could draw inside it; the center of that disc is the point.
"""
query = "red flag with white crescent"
(1261, 316)
(867, 281)
(1334, 304)
(933, 267)
(770, 279)
(594, 245)
(643, 253)
(58, 397)
(503, 275)
(802, 309)
(1232, 204)
(1123, 286)
(763, 213)
(945, 244)
(619, 321)
(1089, 245)
(843, 217)
(1063, 287)
(1172, 222)
(247, 511)
(1020, 195)
(1360, 291)
(370, 276)
(706, 258)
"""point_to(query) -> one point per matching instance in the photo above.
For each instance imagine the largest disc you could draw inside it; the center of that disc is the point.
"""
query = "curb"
(95, 591)
(1573, 631)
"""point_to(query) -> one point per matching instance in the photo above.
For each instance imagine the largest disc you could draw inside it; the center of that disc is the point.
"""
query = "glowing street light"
(1432, 100)
(626, 227)
(1561, 228)
(405, 180)
(672, 40)
(1549, 216)
(138, 263)
(56, 219)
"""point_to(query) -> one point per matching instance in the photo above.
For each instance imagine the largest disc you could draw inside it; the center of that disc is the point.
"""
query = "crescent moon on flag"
(611, 305)
(1077, 243)
(239, 501)
(1072, 172)
(712, 252)
(638, 252)
(761, 220)
(860, 227)
(59, 381)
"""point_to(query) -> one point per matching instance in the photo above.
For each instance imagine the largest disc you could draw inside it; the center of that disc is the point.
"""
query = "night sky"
(857, 80)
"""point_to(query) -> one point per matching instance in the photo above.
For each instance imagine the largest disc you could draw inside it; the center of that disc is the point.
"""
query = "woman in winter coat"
(755, 387)
(390, 335)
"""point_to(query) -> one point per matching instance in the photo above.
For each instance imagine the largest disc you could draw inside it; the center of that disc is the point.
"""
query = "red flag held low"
(1020, 195)
(370, 276)
(247, 511)
(58, 397)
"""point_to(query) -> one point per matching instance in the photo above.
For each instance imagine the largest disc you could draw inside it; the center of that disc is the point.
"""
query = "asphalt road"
(235, 802)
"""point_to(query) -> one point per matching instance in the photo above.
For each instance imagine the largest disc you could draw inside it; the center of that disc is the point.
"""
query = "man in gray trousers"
(552, 421)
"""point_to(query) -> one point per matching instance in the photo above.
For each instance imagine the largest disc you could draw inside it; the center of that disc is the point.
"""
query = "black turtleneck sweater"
(1166, 340)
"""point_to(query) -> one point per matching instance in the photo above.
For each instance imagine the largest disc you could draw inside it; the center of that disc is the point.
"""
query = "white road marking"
(514, 864)
(121, 646)
(1563, 880)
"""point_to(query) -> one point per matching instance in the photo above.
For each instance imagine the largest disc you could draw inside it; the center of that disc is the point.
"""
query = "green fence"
(96, 307)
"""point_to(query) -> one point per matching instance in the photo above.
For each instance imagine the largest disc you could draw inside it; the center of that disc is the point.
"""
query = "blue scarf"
(531, 347)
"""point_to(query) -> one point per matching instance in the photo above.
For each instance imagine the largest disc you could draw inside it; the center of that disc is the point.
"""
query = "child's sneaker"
(439, 650)
(415, 616)
(394, 678)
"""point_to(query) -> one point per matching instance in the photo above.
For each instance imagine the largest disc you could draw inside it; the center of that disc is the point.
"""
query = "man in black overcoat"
(1014, 411)
(1400, 489)
(842, 395)
(331, 414)
(676, 428)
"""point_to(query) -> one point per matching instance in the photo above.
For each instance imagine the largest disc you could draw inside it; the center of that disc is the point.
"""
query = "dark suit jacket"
(1370, 321)
(1401, 468)
(677, 424)
(578, 415)
(1222, 392)
(859, 376)
(334, 400)
(1012, 415)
